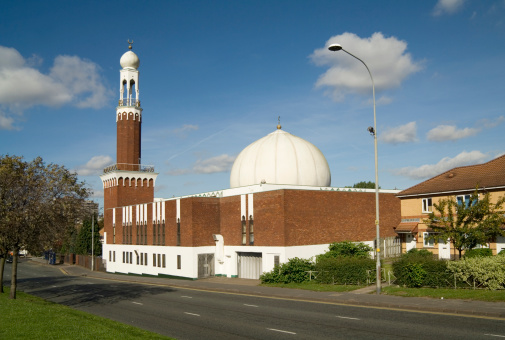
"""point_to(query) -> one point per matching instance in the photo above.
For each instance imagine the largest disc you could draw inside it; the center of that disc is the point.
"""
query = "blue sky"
(215, 76)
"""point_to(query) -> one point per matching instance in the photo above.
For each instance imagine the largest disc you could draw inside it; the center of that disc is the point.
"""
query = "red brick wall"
(230, 224)
(128, 140)
(205, 222)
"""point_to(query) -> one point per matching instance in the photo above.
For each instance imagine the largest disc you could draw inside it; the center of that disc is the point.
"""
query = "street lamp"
(373, 132)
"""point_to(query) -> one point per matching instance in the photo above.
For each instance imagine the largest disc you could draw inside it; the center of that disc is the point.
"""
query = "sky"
(215, 76)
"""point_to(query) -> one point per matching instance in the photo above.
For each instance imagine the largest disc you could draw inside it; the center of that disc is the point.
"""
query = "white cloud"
(221, 163)
(386, 58)
(182, 131)
(71, 80)
(450, 132)
(447, 7)
(94, 166)
(400, 134)
(488, 124)
(445, 164)
(6, 123)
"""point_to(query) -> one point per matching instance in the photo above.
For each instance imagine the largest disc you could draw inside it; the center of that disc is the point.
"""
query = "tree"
(347, 249)
(364, 185)
(84, 239)
(467, 225)
(38, 203)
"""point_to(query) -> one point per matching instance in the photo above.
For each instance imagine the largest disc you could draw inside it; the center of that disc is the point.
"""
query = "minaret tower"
(128, 182)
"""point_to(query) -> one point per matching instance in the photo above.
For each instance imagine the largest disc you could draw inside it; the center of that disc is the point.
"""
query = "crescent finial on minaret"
(130, 47)
(279, 123)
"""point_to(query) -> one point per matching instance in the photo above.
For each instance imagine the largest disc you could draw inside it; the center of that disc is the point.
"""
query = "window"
(138, 230)
(110, 256)
(145, 234)
(164, 261)
(159, 233)
(163, 234)
(131, 258)
(145, 259)
(428, 242)
(114, 233)
(154, 260)
(124, 231)
(141, 259)
(178, 232)
(159, 260)
(276, 260)
(464, 200)
(178, 261)
(138, 259)
(244, 230)
(114, 256)
(154, 233)
(251, 230)
(427, 205)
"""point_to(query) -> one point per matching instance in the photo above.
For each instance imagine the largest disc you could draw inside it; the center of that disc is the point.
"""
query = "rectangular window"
(126, 257)
(114, 233)
(123, 257)
(164, 261)
(138, 233)
(251, 231)
(114, 256)
(124, 239)
(244, 231)
(178, 261)
(138, 260)
(428, 242)
(154, 234)
(131, 234)
(154, 260)
(163, 233)
(159, 233)
(110, 256)
(141, 259)
(145, 259)
(159, 260)
(464, 200)
(276, 260)
(427, 205)
(178, 232)
(131, 258)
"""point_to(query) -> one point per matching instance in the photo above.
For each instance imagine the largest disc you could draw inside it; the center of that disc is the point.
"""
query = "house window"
(251, 230)
(178, 232)
(244, 231)
(428, 242)
(427, 205)
(464, 200)
(154, 260)
(178, 261)
(276, 260)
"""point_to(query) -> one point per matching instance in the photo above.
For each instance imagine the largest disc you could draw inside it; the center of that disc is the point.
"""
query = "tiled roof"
(487, 175)
(406, 228)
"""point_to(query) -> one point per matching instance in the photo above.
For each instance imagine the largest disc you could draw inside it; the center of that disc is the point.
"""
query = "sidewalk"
(363, 297)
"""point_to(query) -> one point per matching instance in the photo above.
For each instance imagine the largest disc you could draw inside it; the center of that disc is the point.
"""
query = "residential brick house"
(417, 202)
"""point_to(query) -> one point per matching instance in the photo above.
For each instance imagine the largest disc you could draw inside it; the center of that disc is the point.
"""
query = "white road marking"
(280, 330)
(250, 305)
(187, 297)
(346, 317)
(137, 303)
(495, 335)
(192, 314)
(55, 286)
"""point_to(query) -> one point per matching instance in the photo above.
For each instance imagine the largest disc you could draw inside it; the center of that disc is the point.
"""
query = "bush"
(476, 252)
(486, 272)
(419, 268)
(347, 249)
(295, 270)
(344, 270)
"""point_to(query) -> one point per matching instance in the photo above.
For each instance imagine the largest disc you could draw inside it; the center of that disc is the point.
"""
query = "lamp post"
(373, 132)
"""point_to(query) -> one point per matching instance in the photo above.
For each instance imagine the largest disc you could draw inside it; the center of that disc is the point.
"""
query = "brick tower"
(127, 182)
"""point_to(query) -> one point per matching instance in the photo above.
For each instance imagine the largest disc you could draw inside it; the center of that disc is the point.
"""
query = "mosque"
(280, 205)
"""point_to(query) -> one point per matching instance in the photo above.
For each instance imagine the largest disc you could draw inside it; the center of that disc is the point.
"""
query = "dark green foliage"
(365, 185)
(419, 268)
(344, 270)
(295, 270)
(478, 252)
(346, 249)
(83, 240)
(502, 252)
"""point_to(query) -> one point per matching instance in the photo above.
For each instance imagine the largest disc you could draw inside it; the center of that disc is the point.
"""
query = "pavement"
(364, 297)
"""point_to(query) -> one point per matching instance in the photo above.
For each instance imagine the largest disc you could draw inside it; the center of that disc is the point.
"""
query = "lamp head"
(335, 47)
(371, 130)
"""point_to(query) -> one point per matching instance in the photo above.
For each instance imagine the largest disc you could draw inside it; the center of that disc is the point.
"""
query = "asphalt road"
(195, 314)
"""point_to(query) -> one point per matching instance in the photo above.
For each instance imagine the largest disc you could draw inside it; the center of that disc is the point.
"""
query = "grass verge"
(448, 293)
(30, 317)
(314, 286)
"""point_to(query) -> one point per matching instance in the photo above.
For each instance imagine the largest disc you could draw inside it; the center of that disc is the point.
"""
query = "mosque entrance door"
(249, 265)
(205, 265)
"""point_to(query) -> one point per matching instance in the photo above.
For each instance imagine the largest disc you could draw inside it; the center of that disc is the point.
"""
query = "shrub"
(487, 272)
(476, 252)
(344, 270)
(419, 268)
(347, 249)
(295, 270)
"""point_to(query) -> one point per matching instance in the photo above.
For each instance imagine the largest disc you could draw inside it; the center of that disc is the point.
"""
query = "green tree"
(467, 225)
(38, 204)
(84, 240)
(347, 249)
(363, 185)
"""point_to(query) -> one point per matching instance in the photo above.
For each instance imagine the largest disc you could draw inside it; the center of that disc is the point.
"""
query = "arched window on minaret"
(132, 93)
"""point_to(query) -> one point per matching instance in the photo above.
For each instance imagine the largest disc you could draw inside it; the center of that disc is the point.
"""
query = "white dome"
(280, 158)
(130, 60)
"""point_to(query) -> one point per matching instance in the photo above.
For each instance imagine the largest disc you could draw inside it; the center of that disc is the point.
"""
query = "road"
(195, 314)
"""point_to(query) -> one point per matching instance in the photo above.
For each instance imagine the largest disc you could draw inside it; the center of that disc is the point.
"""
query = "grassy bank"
(314, 286)
(30, 317)
(448, 293)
